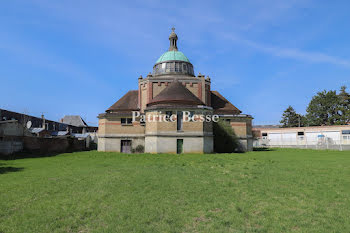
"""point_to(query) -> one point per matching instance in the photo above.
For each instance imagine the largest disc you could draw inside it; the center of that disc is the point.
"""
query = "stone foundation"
(168, 144)
(112, 143)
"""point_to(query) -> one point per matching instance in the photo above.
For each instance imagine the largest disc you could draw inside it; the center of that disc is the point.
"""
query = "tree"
(291, 119)
(344, 105)
(323, 109)
(225, 139)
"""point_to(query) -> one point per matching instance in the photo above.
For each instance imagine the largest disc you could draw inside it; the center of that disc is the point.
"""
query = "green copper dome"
(173, 55)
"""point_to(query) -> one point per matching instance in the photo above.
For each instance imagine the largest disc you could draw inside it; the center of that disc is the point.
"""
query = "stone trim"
(121, 135)
(180, 134)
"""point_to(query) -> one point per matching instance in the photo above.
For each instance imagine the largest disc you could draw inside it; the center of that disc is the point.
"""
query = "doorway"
(125, 146)
(179, 146)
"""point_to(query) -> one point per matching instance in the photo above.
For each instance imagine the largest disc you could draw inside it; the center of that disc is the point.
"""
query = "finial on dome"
(173, 40)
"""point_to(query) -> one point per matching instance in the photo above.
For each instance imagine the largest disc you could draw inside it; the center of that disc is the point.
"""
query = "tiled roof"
(74, 120)
(221, 105)
(128, 102)
(177, 94)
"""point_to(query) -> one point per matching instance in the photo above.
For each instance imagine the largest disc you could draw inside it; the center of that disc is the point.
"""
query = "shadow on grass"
(4, 170)
(263, 149)
(27, 155)
(36, 154)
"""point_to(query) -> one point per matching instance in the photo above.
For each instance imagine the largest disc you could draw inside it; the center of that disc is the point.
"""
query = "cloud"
(292, 53)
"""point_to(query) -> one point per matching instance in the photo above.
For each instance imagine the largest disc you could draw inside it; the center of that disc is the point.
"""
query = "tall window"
(179, 120)
(191, 115)
(167, 69)
(177, 67)
(184, 67)
(172, 67)
(168, 115)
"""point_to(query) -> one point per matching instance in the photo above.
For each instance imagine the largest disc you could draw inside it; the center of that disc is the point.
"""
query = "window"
(191, 115)
(168, 115)
(172, 67)
(301, 135)
(346, 137)
(190, 70)
(345, 132)
(179, 120)
(167, 69)
(142, 121)
(177, 67)
(184, 67)
(126, 121)
(264, 135)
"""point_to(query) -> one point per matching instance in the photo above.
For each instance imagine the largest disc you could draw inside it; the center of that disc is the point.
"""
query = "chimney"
(43, 121)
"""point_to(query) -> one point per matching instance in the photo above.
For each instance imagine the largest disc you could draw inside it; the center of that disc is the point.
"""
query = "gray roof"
(74, 120)
(36, 130)
(266, 126)
(128, 102)
(81, 135)
(59, 133)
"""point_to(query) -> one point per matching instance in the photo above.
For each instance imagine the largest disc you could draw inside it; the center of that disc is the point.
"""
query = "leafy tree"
(323, 109)
(225, 139)
(291, 119)
(344, 105)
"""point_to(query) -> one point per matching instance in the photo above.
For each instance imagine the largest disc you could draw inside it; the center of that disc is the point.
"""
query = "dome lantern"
(173, 40)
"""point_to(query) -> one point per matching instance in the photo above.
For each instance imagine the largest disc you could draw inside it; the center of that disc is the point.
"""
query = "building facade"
(172, 89)
(335, 137)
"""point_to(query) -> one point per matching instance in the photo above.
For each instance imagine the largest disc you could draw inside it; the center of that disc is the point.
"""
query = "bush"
(225, 139)
(139, 149)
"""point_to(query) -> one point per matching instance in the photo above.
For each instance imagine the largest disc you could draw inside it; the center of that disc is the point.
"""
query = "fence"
(321, 143)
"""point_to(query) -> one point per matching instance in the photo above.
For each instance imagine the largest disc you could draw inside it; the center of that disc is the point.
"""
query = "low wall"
(40, 146)
(52, 145)
(10, 147)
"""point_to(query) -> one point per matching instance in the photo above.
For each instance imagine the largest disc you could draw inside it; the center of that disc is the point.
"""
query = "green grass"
(266, 191)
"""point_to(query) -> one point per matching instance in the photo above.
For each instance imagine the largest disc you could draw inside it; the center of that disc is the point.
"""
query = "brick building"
(171, 89)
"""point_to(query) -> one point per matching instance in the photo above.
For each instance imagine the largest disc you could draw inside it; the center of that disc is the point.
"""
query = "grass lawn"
(284, 190)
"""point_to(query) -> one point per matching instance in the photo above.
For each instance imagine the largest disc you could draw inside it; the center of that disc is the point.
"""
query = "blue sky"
(79, 57)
